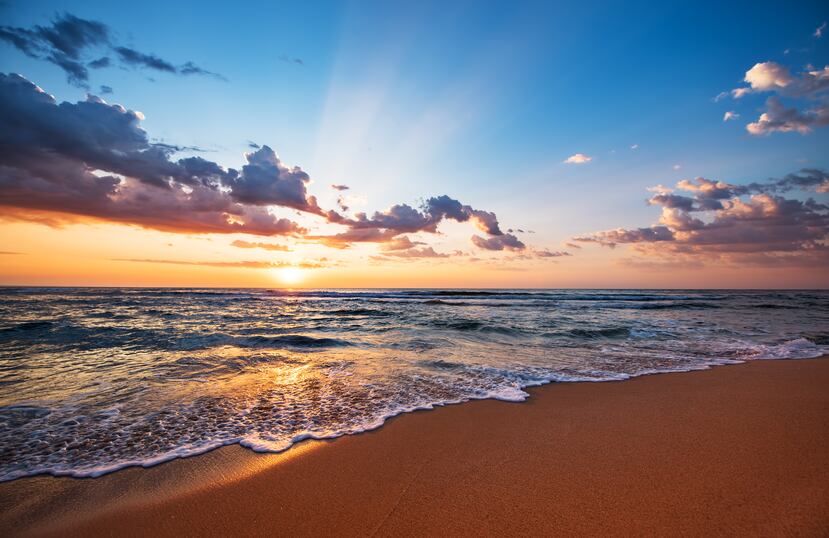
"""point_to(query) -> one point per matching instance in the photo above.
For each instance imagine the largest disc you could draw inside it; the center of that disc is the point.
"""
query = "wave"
(29, 326)
(290, 340)
(325, 363)
(607, 332)
(358, 312)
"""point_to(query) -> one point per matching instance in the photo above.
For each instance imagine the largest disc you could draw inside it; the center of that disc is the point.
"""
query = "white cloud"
(635, 146)
(660, 189)
(676, 166)
(739, 92)
(578, 158)
(811, 84)
(768, 76)
(819, 32)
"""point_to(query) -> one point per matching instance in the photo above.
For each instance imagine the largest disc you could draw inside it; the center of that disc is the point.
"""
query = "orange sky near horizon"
(104, 254)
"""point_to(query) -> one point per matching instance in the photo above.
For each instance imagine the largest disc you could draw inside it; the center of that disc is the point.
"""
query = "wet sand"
(736, 450)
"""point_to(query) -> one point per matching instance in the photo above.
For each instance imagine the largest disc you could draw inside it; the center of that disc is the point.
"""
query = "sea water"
(92, 380)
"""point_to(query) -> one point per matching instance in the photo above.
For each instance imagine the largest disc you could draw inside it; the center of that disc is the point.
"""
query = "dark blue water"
(92, 380)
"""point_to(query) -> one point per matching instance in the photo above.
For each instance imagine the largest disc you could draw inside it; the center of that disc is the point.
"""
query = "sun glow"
(289, 275)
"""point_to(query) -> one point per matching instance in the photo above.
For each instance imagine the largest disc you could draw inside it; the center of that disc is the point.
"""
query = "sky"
(445, 144)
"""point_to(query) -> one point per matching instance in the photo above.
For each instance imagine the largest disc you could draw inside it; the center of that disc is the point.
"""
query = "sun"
(289, 275)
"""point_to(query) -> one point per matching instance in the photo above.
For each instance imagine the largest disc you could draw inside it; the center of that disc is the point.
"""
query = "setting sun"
(289, 275)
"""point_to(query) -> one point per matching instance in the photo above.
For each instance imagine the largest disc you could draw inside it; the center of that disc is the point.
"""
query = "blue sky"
(480, 101)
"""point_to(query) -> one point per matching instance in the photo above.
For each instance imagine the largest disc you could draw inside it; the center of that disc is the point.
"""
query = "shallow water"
(92, 380)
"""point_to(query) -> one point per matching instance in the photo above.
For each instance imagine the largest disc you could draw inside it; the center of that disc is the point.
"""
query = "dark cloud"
(135, 58)
(340, 187)
(105, 90)
(806, 179)
(100, 63)
(69, 40)
(498, 242)
(640, 235)
(672, 200)
(341, 204)
(778, 118)
(400, 218)
(93, 159)
(189, 68)
(266, 180)
(386, 226)
(748, 224)
(291, 60)
(404, 218)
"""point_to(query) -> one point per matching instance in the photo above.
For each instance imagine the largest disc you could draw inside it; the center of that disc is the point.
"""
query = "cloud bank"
(739, 224)
(92, 159)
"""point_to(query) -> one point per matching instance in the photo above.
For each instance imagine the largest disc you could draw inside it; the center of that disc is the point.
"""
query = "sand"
(736, 450)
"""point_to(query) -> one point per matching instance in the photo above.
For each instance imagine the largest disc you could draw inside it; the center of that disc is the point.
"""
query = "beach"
(733, 450)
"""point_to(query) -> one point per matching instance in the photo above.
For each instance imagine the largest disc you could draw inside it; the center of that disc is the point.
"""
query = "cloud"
(134, 58)
(611, 238)
(339, 187)
(69, 39)
(660, 189)
(635, 146)
(266, 180)
(730, 115)
(499, 242)
(818, 33)
(100, 63)
(235, 264)
(778, 118)
(264, 246)
(579, 158)
(774, 77)
(401, 243)
(93, 159)
(189, 68)
(676, 166)
(424, 252)
(737, 93)
(105, 90)
(551, 254)
(355, 235)
(289, 60)
(738, 224)
(810, 85)
(403, 218)
(768, 76)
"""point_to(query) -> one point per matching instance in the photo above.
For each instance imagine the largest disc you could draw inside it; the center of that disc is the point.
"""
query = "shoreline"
(743, 433)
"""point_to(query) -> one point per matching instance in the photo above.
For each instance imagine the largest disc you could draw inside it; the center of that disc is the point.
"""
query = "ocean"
(93, 380)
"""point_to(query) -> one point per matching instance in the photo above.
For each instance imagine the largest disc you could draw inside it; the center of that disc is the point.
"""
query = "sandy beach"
(735, 450)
